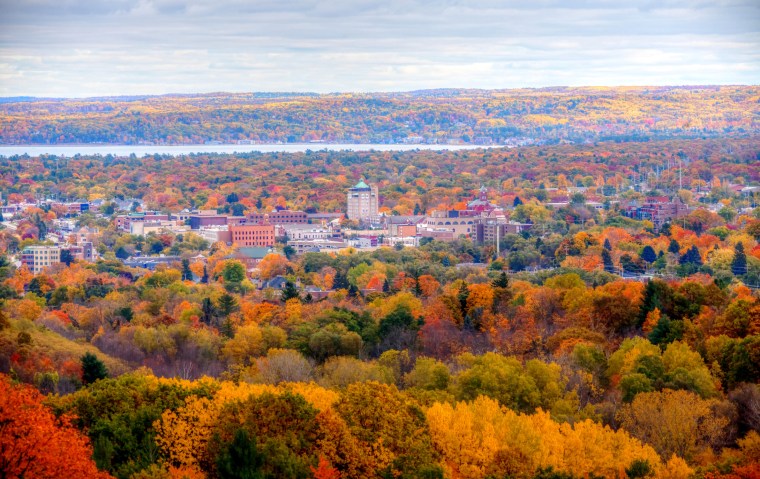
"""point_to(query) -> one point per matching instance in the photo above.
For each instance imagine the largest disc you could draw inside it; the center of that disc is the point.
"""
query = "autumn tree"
(36, 444)
(674, 422)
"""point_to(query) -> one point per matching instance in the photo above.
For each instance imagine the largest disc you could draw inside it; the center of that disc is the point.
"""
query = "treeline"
(469, 116)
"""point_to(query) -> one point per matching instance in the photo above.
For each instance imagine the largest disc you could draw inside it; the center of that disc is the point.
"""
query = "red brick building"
(253, 235)
(281, 217)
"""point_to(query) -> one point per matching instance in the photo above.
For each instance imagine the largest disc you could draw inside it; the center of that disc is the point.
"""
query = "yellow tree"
(674, 422)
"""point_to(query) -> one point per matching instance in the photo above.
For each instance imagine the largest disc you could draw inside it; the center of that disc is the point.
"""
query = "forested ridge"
(547, 115)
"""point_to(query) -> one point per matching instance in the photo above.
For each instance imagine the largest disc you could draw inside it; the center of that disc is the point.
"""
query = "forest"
(541, 116)
(449, 360)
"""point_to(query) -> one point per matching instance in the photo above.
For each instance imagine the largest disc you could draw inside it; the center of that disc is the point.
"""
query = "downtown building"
(363, 202)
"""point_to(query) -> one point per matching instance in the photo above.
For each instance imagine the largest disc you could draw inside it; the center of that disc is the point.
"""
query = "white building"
(37, 258)
(363, 203)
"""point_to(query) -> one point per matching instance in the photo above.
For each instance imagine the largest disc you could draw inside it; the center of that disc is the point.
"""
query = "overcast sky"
(76, 48)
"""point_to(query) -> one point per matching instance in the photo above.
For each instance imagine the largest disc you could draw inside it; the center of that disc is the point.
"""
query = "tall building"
(363, 203)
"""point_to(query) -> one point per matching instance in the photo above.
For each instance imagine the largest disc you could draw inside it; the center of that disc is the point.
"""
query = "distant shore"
(140, 150)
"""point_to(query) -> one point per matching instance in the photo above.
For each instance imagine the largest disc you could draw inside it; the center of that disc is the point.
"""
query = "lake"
(141, 150)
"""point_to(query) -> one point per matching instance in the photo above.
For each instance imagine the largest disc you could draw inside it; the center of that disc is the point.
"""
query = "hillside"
(547, 115)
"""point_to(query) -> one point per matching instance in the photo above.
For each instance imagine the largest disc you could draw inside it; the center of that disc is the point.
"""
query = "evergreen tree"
(417, 288)
(739, 264)
(648, 254)
(445, 261)
(607, 244)
(41, 227)
(609, 266)
(353, 292)
(639, 468)
(207, 310)
(517, 202)
(502, 281)
(462, 296)
(92, 369)
(308, 298)
(386, 286)
(187, 274)
(674, 247)
(241, 459)
(290, 291)
(66, 257)
(226, 305)
(691, 256)
(204, 278)
(340, 281)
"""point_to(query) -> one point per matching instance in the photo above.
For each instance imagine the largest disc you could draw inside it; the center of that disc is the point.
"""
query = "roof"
(254, 252)
(361, 184)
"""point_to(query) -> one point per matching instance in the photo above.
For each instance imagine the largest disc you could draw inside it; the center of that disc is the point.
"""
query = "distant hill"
(546, 115)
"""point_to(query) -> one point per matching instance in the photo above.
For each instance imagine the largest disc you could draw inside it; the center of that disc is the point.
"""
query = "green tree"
(233, 272)
(609, 266)
(240, 459)
(66, 257)
(739, 263)
(92, 369)
(674, 247)
(226, 305)
(648, 254)
(187, 274)
(502, 281)
(290, 291)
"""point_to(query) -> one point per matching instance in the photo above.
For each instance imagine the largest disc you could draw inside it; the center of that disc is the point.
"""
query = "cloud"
(110, 47)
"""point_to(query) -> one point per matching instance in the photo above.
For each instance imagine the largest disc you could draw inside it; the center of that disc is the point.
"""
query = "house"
(278, 282)
(251, 256)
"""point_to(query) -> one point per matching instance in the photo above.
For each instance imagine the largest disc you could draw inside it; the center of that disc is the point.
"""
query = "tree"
(289, 292)
(187, 274)
(324, 470)
(674, 247)
(204, 278)
(241, 459)
(36, 444)
(739, 263)
(66, 257)
(502, 281)
(92, 369)
(233, 272)
(226, 305)
(207, 310)
(648, 254)
(607, 244)
(691, 256)
(609, 266)
(674, 422)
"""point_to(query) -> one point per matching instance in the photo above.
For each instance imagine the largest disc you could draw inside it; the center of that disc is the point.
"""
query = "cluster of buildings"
(255, 234)
(39, 257)
(657, 209)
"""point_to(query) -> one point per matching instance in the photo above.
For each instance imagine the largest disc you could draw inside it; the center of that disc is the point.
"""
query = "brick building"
(253, 235)
(281, 217)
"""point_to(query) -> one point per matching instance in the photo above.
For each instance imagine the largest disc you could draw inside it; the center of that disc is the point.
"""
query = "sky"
(84, 48)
